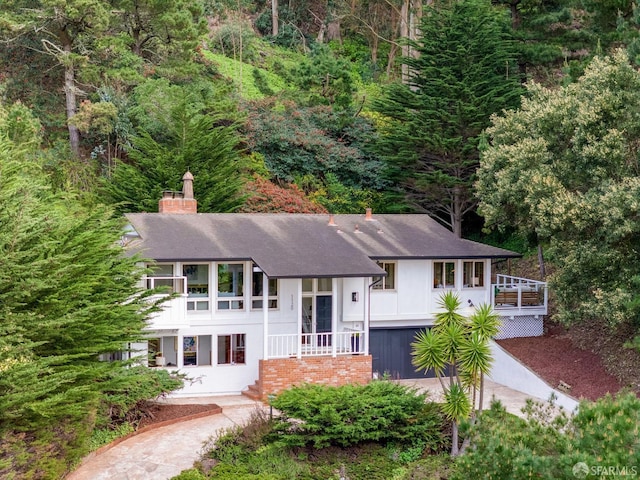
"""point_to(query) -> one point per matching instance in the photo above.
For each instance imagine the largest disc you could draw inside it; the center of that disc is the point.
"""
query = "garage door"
(391, 352)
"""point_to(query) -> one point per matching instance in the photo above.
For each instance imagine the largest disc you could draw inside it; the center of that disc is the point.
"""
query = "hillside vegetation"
(510, 121)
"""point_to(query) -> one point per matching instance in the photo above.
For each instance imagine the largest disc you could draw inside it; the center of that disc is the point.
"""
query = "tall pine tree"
(463, 72)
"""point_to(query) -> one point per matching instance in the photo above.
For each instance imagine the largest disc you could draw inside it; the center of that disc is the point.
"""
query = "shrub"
(381, 411)
(191, 474)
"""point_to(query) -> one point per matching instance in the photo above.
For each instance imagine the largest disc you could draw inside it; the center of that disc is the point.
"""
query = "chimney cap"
(187, 176)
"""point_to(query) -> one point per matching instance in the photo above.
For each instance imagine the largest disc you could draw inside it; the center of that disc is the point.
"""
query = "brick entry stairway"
(254, 392)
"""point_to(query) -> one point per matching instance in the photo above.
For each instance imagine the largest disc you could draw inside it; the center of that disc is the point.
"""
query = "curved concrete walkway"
(164, 452)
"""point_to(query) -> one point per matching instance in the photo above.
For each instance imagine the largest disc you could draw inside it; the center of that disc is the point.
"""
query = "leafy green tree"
(298, 141)
(63, 31)
(599, 440)
(464, 71)
(460, 345)
(564, 167)
(163, 33)
(327, 79)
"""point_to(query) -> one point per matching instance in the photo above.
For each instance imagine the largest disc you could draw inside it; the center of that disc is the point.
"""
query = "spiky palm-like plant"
(462, 344)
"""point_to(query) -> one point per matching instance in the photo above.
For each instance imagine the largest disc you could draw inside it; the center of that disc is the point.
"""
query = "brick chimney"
(179, 202)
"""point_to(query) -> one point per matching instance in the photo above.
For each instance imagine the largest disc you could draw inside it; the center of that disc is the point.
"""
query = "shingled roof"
(301, 245)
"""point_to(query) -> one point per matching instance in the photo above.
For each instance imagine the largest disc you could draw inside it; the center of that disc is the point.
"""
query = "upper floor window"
(163, 276)
(388, 282)
(473, 274)
(257, 295)
(197, 286)
(230, 286)
(444, 274)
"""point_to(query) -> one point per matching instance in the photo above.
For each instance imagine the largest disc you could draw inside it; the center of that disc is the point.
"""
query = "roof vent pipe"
(368, 216)
(332, 223)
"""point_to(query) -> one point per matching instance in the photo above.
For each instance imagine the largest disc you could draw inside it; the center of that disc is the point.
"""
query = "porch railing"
(521, 293)
(315, 344)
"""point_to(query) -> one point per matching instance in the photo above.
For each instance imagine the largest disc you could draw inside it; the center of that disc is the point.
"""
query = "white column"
(265, 313)
(299, 322)
(334, 316)
(367, 317)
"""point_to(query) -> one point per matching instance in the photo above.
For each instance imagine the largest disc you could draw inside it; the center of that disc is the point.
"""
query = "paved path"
(164, 452)
(511, 399)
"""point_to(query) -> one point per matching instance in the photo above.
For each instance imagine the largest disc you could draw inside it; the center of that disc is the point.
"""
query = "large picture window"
(257, 295)
(388, 282)
(231, 349)
(444, 274)
(230, 286)
(473, 274)
(197, 286)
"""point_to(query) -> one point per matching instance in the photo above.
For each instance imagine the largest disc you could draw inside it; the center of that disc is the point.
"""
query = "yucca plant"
(462, 345)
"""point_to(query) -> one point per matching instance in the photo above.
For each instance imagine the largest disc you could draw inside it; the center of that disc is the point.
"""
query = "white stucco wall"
(509, 372)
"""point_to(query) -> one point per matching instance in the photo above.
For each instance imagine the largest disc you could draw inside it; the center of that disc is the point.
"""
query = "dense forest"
(511, 121)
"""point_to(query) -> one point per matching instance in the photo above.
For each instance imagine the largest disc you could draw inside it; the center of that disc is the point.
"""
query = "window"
(473, 274)
(230, 286)
(197, 286)
(231, 349)
(162, 277)
(196, 350)
(325, 285)
(166, 347)
(444, 275)
(388, 282)
(256, 290)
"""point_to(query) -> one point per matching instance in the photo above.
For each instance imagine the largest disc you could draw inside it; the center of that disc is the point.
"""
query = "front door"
(316, 319)
(323, 319)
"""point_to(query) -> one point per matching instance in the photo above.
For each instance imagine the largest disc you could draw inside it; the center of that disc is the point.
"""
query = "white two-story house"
(265, 301)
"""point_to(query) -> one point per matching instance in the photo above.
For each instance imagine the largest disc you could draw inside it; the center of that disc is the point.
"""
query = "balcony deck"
(518, 295)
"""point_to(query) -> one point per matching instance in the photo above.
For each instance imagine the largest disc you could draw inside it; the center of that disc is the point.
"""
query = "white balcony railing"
(315, 344)
(174, 310)
(519, 293)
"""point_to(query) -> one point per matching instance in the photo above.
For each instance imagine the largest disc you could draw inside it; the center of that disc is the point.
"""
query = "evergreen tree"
(463, 73)
(201, 143)
(68, 295)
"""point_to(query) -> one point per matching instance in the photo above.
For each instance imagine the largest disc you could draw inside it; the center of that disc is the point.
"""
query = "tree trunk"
(481, 393)
(516, 18)
(543, 270)
(274, 17)
(391, 58)
(70, 96)
(455, 450)
(404, 33)
(456, 212)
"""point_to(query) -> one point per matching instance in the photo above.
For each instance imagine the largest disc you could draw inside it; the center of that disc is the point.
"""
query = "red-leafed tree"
(264, 196)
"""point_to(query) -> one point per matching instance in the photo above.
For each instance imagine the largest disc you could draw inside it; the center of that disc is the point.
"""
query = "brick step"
(254, 391)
